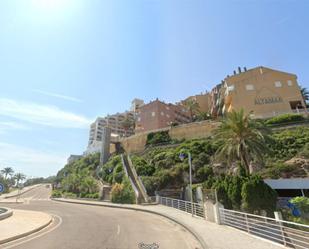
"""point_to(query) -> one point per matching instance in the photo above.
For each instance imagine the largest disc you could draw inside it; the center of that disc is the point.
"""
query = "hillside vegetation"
(285, 154)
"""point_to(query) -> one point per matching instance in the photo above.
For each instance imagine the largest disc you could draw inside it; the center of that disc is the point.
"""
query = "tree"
(241, 138)
(192, 106)
(127, 124)
(19, 177)
(305, 94)
(8, 171)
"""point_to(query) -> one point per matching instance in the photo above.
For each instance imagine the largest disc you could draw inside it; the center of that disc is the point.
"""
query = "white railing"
(190, 207)
(287, 233)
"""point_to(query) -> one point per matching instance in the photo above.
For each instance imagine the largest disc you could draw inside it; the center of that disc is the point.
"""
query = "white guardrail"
(193, 208)
(287, 233)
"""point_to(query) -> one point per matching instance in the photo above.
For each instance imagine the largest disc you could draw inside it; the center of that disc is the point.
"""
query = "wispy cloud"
(9, 125)
(29, 160)
(57, 95)
(42, 114)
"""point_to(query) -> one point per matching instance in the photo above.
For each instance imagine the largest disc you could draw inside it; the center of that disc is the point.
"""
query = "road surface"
(89, 227)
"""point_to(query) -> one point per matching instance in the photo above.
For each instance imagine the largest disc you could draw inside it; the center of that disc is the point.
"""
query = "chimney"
(239, 69)
(245, 69)
(234, 72)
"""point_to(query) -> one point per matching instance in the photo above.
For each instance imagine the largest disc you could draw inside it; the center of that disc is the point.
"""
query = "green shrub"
(123, 193)
(142, 167)
(69, 195)
(56, 194)
(281, 170)
(302, 203)
(151, 184)
(204, 173)
(304, 152)
(257, 195)
(285, 118)
(92, 196)
(154, 138)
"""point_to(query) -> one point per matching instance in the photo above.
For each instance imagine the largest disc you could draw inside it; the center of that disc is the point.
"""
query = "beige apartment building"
(157, 114)
(263, 91)
(203, 100)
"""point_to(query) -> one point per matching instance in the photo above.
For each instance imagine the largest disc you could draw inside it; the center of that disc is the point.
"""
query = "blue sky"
(64, 62)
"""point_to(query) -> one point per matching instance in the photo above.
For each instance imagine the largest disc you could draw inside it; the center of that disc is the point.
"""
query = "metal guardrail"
(287, 233)
(193, 208)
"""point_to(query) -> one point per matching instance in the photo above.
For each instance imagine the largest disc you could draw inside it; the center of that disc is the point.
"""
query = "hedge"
(285, 118)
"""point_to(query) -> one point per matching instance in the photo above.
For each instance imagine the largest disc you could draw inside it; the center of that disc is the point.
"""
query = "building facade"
(157, 114)
(203, 100)
(115, 123)
(263, 91)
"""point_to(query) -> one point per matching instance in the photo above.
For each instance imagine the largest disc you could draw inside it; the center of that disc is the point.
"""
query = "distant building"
(73, 158)
(115, 122)
(202, 99)
(263, 91)
(157, 114)
(136, 104)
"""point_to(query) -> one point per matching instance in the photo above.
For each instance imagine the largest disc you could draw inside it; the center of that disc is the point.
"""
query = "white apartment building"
(115, 122)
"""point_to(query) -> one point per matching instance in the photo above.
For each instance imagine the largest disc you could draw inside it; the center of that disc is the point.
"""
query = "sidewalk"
(16, 192)
(21, 224)
(210, 235)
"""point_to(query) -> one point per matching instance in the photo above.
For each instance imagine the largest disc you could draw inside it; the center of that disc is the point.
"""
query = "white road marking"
(37, 236)
(118, 229)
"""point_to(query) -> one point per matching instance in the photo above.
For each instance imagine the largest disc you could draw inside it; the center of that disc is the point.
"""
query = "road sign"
(1, 187)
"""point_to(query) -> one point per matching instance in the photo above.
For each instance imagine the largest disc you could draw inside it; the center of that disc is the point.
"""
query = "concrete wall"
(196, 130)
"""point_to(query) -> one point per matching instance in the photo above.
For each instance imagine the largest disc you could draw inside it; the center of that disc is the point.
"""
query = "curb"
(8, 213)
(188, 228)
(26, 233)
(16, 195)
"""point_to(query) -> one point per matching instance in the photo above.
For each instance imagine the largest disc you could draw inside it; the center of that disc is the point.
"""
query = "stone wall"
(136, 143)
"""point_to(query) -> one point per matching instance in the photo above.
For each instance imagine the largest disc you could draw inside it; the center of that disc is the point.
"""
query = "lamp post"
(182, 157)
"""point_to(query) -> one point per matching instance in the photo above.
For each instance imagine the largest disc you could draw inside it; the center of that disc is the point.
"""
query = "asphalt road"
(89, 227)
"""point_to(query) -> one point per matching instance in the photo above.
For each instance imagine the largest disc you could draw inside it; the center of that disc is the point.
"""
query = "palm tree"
(305, 94)
(8, 171)
(19, 177)
(241, 138)
(192, 107)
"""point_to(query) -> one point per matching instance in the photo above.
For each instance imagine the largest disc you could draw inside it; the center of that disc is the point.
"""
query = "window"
(290, 83)
(162, 113)
(231, 88)
(153, 114)
(249, 87)
(139, 119)
(278, 84)
(167, 108)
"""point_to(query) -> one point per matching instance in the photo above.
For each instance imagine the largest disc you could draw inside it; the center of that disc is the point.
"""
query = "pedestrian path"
(22, 223)
(211, 235)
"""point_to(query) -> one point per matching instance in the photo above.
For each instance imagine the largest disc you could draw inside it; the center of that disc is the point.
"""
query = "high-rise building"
(117, 125)
(136, 104)
(157, 114)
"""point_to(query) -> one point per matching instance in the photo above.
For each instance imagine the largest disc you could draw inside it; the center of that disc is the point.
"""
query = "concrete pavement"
(91, 227)
(212, 235)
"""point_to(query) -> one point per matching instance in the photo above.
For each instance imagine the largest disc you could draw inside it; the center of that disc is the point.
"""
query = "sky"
(65, 62)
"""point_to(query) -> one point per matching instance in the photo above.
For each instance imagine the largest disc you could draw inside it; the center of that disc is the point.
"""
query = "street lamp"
(182, 156)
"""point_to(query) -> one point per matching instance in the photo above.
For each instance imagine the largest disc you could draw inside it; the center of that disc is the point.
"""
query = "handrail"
(127, 174)
(194, 208)
(137, 179)
(280, 231)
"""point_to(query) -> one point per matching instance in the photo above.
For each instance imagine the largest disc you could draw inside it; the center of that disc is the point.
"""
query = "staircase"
(137, 185)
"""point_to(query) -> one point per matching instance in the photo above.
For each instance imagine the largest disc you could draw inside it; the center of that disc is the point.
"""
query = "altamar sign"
(268, 100)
